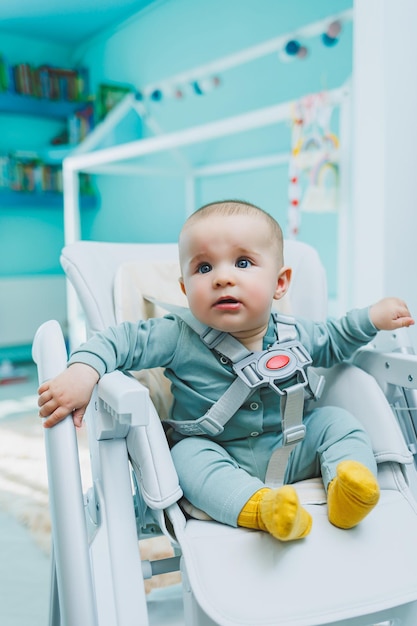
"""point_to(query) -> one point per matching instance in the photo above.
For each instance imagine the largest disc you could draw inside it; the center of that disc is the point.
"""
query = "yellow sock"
(277, 511)
(352, 494)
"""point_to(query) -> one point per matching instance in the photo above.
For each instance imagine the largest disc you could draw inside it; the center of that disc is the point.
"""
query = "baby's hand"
(69, 392)
(390, 314)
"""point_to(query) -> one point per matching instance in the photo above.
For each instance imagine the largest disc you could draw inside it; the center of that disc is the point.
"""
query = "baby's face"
(230, 271)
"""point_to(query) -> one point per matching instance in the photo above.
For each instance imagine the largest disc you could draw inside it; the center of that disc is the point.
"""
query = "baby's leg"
(338, 443)
(213, 481)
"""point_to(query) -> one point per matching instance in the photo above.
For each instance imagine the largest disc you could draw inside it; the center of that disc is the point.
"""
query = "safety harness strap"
(217, 340)
(212, 423)
(292, 406)
(252, 373)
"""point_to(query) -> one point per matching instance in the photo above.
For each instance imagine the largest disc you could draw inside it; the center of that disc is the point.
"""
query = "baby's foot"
(283, 515)
(352, 494)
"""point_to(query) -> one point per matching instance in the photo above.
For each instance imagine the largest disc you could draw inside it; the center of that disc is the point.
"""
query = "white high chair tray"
(349, 585)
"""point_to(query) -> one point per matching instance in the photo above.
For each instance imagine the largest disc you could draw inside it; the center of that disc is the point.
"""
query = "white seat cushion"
(330, 575)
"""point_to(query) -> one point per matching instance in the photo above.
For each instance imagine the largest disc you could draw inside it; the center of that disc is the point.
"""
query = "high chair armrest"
(394, 368)
(125, 410)
(353, 389)
(123, 398)
(152, 461)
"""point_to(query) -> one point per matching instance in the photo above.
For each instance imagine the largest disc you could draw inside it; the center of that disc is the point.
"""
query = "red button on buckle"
(277, 362)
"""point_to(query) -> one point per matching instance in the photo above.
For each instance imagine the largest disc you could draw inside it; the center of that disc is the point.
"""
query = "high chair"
(366, 576)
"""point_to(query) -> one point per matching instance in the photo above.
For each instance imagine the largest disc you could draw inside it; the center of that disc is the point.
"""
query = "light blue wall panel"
(178, 35)
(174, 36)
(30, 237)
(31, 240)
(124, 216)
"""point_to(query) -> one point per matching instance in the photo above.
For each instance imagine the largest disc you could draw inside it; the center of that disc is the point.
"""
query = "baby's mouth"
(227, 302)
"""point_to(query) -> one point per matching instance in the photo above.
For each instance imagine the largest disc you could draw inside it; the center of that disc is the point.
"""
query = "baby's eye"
(243, 263)
(204, 268)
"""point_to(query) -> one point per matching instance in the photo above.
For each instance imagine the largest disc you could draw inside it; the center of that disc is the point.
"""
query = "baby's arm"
(69, 392)
(390, 314)
(118, 347)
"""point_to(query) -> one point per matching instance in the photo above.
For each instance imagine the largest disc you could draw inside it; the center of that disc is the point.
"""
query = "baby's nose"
(224, 277)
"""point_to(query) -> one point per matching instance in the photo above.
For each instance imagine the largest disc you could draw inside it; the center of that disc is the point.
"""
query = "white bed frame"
(125, 159)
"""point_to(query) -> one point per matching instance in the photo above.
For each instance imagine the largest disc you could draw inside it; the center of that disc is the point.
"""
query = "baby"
(232, 266)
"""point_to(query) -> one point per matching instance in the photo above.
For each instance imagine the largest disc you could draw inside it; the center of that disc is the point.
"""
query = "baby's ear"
(181, 282)
(283, 282)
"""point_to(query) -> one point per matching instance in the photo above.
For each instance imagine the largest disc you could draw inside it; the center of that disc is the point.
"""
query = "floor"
(24, 567)
(24, 577)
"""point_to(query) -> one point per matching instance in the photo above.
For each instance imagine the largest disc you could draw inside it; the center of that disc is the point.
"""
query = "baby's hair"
(241, 207)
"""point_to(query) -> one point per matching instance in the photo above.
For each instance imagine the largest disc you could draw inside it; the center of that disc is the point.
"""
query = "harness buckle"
(204, 425)
(293, 435)
(211, 337)
(279, 364)
(209, 426)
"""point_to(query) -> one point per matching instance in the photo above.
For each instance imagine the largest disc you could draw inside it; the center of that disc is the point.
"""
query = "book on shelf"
(52, 84)
(4, 74)
(25, 171)
(57, 83)
(80, 124)
(46, 81)
(4, 171)
(28, 173)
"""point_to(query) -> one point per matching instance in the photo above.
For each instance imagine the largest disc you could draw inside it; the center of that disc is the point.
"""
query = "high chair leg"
(54, 611)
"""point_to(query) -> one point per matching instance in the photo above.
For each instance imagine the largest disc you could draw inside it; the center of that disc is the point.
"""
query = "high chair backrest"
(111, 280)
(93, 267)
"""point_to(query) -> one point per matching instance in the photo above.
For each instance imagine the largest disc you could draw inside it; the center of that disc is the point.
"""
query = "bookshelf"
(19, 104)
(27, 105)
(34, 178)
(40, 199)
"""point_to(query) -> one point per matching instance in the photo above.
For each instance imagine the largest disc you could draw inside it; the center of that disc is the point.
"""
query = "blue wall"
(170, 37)
(30, 237)
(175, 36)
(182, 34)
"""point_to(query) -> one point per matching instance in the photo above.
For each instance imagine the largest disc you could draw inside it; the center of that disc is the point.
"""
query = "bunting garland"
(203, 80)
(177, 92)
(294, 49)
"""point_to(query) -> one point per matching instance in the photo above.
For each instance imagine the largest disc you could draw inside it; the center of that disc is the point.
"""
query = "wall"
(168, 38)
(30, 237)
(384, 255)
(178, 35)
(31, 300)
